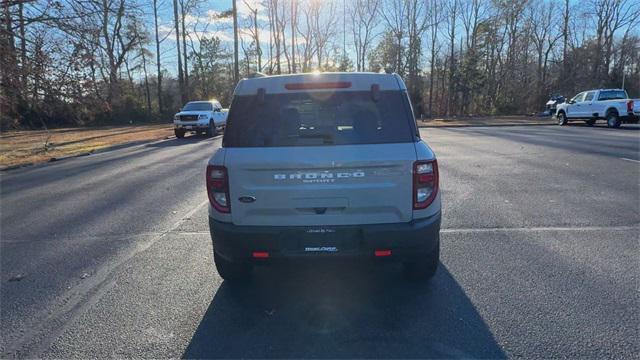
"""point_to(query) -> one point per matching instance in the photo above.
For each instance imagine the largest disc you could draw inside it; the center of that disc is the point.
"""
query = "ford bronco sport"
(323, 165)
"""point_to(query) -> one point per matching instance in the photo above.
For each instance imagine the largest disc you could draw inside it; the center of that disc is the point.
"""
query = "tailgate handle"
(320, 210)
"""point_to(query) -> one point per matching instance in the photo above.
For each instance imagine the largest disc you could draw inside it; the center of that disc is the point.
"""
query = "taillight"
(630, 106)
(425, 183)
(218, 188)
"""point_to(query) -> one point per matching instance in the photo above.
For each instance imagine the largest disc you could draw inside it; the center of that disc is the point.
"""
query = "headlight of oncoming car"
(202, 116)
(176, 117)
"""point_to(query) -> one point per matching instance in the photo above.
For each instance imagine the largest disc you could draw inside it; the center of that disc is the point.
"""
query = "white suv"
(325, 166)
(206, 117)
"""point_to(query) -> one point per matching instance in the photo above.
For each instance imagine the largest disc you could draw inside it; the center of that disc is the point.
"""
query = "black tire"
(179, 133)
(211, 130)
(613, 120)
(562, 118)
(423, 268)
(590, 122)
(232, 271)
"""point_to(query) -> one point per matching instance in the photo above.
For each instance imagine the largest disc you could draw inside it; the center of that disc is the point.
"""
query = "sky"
(202, 23)
(206, 23)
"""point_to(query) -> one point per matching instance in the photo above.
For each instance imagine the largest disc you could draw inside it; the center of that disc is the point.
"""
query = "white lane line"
(533, 229)
(638, 161)
(186, 216)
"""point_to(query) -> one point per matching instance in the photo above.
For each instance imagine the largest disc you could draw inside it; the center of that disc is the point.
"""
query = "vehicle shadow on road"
(189, 139)
(342, 311)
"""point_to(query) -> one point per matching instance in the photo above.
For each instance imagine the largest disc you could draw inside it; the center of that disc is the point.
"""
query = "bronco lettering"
(319, 175)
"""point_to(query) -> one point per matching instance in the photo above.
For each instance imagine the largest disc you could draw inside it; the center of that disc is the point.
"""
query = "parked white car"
(612, 105)
(207, 117)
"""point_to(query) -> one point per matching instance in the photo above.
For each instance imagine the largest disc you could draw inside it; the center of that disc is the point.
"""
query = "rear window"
(197, 107)
(319, 118)
(612, 95)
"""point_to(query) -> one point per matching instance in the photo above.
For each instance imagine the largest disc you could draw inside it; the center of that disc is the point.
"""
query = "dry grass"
(23, 147)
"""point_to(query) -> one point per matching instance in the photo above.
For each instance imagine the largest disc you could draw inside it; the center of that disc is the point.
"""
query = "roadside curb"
(97, 151)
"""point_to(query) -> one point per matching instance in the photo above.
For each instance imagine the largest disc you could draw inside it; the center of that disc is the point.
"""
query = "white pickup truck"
(206, 117)
(612, 105)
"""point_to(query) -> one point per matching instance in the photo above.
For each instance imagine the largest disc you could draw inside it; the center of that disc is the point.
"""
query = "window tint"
(589, 96)
(318, 118)
(612, 95)
(197, 106)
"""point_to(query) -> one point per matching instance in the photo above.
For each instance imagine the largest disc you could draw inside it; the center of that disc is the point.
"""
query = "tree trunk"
(452, 63)
(176, 22)
(146, 80)
(184, 51)
(155, 18)
(23, 48)
(236, 70)
(294, 14)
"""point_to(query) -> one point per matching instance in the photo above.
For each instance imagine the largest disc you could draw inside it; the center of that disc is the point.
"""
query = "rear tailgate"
(327, 185)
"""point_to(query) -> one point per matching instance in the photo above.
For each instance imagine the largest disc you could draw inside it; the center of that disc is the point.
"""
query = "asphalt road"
(109, 256)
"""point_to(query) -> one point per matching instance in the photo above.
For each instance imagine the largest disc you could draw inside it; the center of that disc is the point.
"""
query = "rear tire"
(590, 122)
(235, 272)
(424, 268)
(211, 130)
(562, 118)
(179, 133)
(613, 121)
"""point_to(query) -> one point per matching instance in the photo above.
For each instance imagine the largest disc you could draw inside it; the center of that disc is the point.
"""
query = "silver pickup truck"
(206, 117)
(612, 105)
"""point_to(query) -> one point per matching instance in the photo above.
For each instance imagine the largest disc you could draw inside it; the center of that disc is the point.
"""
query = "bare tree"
(158, 41)
(395, 15)
(363, 14)
(176, 20)
(254, 33)
(236, 70)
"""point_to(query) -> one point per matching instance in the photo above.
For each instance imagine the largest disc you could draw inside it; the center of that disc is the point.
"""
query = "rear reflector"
(380, 253)
(318, 85)
(260, 254)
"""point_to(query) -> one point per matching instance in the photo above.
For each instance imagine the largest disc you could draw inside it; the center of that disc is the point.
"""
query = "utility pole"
(236, 71)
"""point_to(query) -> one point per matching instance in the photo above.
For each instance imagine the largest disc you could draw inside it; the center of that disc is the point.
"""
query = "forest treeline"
(97, 62)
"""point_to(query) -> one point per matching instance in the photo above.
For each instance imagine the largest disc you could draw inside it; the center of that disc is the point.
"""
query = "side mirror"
(572, 101)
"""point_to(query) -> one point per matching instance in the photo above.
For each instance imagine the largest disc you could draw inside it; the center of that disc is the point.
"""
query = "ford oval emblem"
(247, 199)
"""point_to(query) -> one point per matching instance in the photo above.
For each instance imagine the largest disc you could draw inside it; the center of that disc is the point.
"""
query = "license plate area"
(323, 240)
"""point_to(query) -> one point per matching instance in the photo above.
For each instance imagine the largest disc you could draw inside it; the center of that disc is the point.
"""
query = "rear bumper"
(405, 240)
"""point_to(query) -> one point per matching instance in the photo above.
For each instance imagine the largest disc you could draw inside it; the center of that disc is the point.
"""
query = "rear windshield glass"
(612, 95)
(197, 107)
(318, 118)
